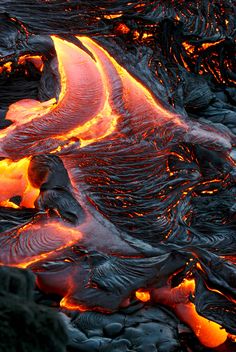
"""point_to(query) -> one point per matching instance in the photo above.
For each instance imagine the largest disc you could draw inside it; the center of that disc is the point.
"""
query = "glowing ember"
(14, 182)
(6, 67)
(143, 296)
(122, 29)
(67, 305)
(209, 333)
(36, 60)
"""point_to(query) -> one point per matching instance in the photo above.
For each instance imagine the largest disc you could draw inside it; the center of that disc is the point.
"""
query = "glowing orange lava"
(66, 303)
(86, 99)
(6, 67)
(101, 125)
(135, 95)
(121, 28)
(14, 182)
(8, 204)
(86, 110)
(35, 59)
(110, 17)
(209, 333)
(191, 48)
(143, 296)
(40, 241)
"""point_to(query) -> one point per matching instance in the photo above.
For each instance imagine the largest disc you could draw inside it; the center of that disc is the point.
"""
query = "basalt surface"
(118, 173)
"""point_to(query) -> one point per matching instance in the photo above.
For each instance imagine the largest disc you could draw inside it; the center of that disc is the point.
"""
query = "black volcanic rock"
(24, 325)
(148, 329)
(48, 173)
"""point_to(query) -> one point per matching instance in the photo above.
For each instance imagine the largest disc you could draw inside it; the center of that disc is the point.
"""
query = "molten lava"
(15, 182)
(38, 241)
(94, 95)
(209, 333)
(85, 95)
(101, 102)
(88, 99)
(143, 296)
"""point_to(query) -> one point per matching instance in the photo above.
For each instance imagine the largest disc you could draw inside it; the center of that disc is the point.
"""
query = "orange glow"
(101, 121)
(210, 192)
(14, 182)
(232, 337)
(188, 47)
(146, 35)
(23, 112)
(42, 256)
(8, 204)
(208, 45)
(191, 48)
(60, 236)
(104, 123)
(143, 296)
(229, 258)
(122, 28)
(90, 127)
(68, 303)
(6, 67)
(65, 303)
(110, 17)
(89, 120)
(193, 51)
(35, 59)
(209, 333)
(135, 94)
(136, 34)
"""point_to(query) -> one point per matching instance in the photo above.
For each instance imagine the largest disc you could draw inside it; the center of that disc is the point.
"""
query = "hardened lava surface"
(118, 168)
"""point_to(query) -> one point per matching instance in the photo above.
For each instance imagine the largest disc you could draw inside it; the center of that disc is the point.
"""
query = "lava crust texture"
(118, 163)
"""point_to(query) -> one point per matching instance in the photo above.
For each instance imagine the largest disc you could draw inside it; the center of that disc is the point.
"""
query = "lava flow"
(209, 333)
(111, 176)
(93, 96)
